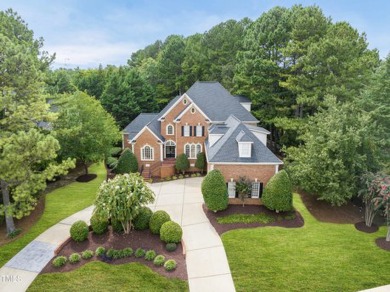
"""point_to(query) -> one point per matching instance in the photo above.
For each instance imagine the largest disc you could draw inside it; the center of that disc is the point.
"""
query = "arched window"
(170, 130)
(147, 153)
(192, 150)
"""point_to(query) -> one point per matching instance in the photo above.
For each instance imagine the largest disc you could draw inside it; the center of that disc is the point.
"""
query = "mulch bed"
(86, 177)
(325, 212)
(239, 209)
(144, 239)
(382, 243)
(361, 226)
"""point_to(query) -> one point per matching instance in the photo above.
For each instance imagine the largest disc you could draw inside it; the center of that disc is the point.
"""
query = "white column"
(161, 152)
(276, 168)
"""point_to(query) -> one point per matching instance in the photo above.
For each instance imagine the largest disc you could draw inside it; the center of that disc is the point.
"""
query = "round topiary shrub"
(139, 253)
(278, 193)
(79, 231)
(171, 232)
(59, 261)
(150, 255)
(159, 260)
(116, 226)
(141, 221)
(87, 254)
(127, 163)
(170, 265)
(74, 258)
(171, 246)
(100, 251)
(157, 220)
(214, 191)
(99, 225)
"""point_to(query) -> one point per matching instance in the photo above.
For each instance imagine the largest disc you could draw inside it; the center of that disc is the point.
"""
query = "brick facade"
(146, 138)
(263, 173)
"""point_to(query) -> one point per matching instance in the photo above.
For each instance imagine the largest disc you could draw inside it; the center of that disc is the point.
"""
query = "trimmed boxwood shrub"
(127, 163)
(214, 191)
(100, 251)
(278, 193)
(171, 246)
(99, 225)
(79, 231)
(59, 261)
(74, 258)
(127, 252)
(116, 226)
(157, 220)
(110, 253)
(141, 221)
(170, 265)
(182, 163)
(159, 260)
(139, 253)
(87, 254)
(150, 255)
(171, 232)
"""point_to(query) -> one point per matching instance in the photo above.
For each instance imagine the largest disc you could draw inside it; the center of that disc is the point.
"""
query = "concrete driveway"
(207, 265)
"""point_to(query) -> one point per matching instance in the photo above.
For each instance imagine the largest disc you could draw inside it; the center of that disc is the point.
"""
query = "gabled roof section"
(142, 121)
(242, 99)
(226, 148)
(170, 105)
(217, 103)
(188, 108)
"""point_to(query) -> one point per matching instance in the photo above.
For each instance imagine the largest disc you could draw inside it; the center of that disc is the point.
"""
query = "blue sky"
(87, 33)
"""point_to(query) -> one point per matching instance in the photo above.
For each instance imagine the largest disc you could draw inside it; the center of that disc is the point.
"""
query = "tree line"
(313, 82)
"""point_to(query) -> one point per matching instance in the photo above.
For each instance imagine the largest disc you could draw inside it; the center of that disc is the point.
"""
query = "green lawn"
(98, 276)
(60, 204)
(246, 218)
(317, 257)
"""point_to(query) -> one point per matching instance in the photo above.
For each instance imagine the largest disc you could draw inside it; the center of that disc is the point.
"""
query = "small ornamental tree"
(127, 163)
(182, 163)
(243, 187)
(121, 199)
(200, 161)
(278, 193)
(214, 191)
(370, 189)
(382, 201)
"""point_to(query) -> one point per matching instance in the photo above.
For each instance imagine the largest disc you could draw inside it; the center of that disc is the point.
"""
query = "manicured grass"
(246, 218)
(99, 276)
(317, 257)
(60, 204)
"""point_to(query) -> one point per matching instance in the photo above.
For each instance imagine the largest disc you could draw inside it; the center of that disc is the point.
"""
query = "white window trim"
(240, 149)
(143, 154)
(184, 131)
(173, 130)
(195, 145)
(201, 131)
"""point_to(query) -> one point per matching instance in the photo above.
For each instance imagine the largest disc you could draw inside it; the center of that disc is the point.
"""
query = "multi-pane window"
(192, 150)
(186, 131)
(170, 130)
(199, 131)
(245, 149)
(147, 153)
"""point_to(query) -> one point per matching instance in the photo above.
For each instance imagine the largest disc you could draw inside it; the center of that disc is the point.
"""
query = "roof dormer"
(244, 145)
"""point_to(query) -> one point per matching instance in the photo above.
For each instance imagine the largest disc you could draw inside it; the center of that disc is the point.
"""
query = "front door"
(170, 151)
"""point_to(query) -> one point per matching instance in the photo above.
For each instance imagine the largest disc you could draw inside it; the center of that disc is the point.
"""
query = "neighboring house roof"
(225, 150)
(140, 122)
(242, 99)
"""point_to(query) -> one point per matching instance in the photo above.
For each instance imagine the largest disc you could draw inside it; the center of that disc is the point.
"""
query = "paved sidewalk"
(207, 265)
(17, 274)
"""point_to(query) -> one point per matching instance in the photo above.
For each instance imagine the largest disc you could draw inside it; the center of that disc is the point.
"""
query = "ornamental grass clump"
(150, 255)
(74, 258)
(59, 261)
(170, 265)
(159, 260)
(87, 254)
(139, 253)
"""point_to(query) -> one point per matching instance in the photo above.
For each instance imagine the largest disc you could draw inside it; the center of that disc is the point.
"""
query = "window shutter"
(190, 131)
(182, 131)
(202, 131)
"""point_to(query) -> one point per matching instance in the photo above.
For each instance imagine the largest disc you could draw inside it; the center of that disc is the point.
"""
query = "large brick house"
(207, 118)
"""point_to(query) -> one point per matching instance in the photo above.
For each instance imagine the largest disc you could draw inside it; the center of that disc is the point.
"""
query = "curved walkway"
(207, 265)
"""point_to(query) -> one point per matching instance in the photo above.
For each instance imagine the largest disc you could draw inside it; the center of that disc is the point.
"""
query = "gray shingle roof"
(258, 129)
(241, 98)
(139, 123)
(218, 129)
(243, 137)
(226, 148)
(168, 106)
(217, 103)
